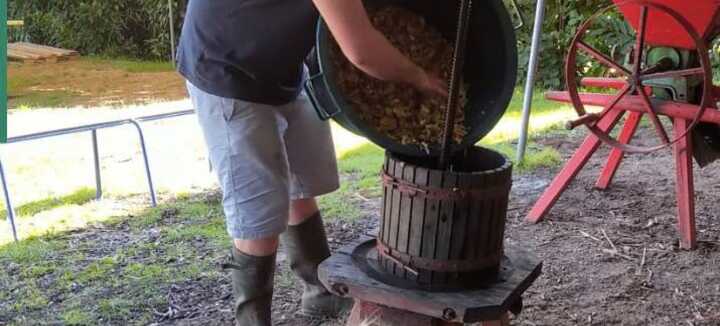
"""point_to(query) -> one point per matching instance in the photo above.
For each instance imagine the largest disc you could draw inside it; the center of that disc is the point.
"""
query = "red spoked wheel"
(630, 84)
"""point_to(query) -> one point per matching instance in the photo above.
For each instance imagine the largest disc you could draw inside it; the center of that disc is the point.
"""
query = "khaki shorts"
(265, 156)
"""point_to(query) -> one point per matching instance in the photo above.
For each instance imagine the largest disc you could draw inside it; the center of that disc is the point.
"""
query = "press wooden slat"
(418, 221)
(406, 210)
(445, 225)
(386, 195)
(387, 220)
(460, 224)
(500, 228)
(490, 211)
(396, 210)
(479, 221)
(432, 220)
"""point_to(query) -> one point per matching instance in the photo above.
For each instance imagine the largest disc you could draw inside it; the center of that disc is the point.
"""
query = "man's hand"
(369, 50)
(431, 85)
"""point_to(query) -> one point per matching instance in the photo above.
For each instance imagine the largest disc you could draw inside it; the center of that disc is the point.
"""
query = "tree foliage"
(562, 19)
(130, 28)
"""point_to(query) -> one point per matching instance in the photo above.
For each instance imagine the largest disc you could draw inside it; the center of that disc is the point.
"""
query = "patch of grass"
(133, 65)
(184, 210)
(535, 157)
(363, 164)
(115, 308)
(365, 160)
(50, 98)
(197, 211)
(213, 231)
(339, 205)
(543, 121)
(18, 83)
(182, 196)
(547, 117)
(149, 218)
(540, 105)
(33, 250)
(78, 197)
(146, 272)
(30, 297)
(360, 168)
(99, 270)
(77, 317)
(37, 271)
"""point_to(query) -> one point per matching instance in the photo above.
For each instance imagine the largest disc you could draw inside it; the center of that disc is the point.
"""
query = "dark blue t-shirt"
(252, 50)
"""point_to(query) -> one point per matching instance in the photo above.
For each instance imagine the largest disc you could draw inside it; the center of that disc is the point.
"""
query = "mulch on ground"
(612, 257)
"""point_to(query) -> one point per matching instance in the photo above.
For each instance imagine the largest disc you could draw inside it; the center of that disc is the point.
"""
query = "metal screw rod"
(456, 80)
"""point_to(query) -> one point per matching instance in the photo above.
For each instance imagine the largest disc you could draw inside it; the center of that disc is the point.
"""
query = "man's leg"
(313, 172)
(252, 281)
(259, 247)
(248, 154)
(301, 210)
(306, 245)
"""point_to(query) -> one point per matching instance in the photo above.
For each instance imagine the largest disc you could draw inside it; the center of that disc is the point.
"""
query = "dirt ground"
(583, 283)
(91, 82)
(647, 281)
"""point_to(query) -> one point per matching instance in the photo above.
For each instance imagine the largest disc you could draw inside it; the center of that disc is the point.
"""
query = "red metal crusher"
(668, 75)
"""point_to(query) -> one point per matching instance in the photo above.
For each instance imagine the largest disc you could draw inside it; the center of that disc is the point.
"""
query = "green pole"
(3, 71)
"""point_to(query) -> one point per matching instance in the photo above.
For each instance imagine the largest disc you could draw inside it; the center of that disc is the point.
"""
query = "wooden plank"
(406, 205)
(395, 213)
(460, 226)
(445, 226)
(27, 52)
(47, 49)
(42, 52)
(478, 221)
(490, 233)
(418, 213)
(387, 221)
(501, 232)
(497, 216)
(385, 205)
(20, 47)
(22, 54)
(506, 177)
(432, 218)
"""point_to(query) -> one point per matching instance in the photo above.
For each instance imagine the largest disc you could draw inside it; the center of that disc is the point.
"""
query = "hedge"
(127, 28)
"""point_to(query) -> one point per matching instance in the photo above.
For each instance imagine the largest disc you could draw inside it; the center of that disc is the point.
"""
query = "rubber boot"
(252, 281)
(306, 246)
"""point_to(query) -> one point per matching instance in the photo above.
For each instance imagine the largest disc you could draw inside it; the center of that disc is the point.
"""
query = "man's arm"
(369, 50)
